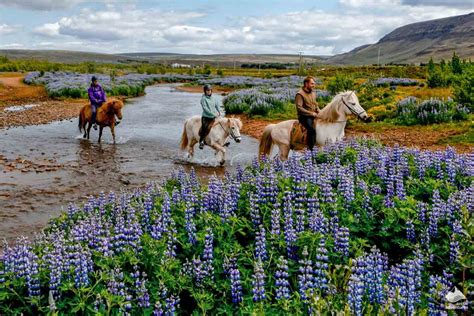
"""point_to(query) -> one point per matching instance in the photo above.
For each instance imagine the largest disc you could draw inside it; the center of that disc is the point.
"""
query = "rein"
(230, 131)
(351, 109)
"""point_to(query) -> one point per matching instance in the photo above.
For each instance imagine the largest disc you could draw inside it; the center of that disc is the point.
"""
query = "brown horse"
(105, 117)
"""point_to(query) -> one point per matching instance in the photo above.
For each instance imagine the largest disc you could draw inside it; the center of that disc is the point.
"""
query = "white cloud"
(51, 5)
(12, 46)
(315, 32)
(42, 5)
(48, 29)
(7, 29)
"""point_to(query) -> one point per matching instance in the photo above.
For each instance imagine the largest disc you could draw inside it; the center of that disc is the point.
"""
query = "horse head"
(351, 105)
(234, 125)
(115, 108)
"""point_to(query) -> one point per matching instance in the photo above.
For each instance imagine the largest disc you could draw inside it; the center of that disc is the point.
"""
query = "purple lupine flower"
(258, 282)
(190, 226)
(405, 283)
(438, 288)
(235, 285)
(275, 223)
(421, 207)
(254, 209)
(346, 185)
(453, 250)
(411, 235)
(317, 222)
(341, 242)
(321, 265)
(290, 233)
(171, 240)
(208, 254)
(355, 287)
(305, 276)
(142, 295)
(281, 279)
(260, 244)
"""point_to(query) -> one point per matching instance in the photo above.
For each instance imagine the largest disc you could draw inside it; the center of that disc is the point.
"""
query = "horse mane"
(330, 113)
(113, 105)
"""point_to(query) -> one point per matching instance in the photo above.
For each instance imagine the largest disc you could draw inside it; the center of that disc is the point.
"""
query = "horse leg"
(191, 145)
(100, 132)
(89, 130)
(284, 151)
(220, 149)
(112, 129)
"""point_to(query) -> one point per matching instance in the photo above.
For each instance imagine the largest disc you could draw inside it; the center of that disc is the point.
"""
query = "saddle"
(298, 136)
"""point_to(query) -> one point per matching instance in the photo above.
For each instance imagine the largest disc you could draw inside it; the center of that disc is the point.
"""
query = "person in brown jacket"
(307, 109)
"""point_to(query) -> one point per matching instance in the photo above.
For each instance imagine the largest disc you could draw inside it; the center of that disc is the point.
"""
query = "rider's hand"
(315, 114)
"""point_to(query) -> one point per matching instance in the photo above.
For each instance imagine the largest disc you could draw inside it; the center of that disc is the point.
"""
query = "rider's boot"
(93, 121)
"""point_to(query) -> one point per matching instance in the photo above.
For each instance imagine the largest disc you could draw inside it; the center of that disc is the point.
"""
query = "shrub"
(340, 83)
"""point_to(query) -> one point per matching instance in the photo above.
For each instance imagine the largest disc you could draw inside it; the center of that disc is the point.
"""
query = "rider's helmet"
(207, 87)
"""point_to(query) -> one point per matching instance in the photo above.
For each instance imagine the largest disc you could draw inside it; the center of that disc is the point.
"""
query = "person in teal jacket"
(210, 110)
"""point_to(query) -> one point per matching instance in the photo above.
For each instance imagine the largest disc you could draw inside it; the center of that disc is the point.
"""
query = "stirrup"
(94, 126)
(201, 145)
(117, 122)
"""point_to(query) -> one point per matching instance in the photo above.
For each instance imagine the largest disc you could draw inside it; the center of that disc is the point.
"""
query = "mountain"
(417, 42)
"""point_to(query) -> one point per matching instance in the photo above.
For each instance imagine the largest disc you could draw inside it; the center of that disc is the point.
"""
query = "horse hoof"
(222, 162)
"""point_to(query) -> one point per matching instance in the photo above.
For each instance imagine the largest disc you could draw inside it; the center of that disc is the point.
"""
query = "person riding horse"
(210, 110)
(307, 109)
(97, 97)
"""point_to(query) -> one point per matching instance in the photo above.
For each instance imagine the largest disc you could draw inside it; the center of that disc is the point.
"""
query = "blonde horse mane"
(330, 113)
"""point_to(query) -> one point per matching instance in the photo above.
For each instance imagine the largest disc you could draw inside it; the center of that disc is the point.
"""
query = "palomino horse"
(105, 117)
(329, 125)
(220, 131)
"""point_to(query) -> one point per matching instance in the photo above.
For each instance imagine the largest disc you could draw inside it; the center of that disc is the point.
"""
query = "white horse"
(220, 131)
(329, 126)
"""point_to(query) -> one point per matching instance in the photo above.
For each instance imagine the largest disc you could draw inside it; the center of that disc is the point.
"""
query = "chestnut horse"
(105, 117)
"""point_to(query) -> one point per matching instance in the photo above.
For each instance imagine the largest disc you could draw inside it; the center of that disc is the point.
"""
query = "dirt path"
(423, 137)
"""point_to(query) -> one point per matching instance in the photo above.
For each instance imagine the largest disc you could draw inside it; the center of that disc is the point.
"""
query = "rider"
(210, 110)
(97, 97)
(307, 108)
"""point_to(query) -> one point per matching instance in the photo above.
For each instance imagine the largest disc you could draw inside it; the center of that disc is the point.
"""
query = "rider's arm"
(105, 95)
(90, 92)
(217, 105)
(300, 108)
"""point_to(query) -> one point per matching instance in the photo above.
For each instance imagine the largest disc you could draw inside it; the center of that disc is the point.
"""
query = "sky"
(319, 27)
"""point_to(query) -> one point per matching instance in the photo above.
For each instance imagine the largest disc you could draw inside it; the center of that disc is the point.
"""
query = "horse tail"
(184, 137)
(80, 121)
(266, 142)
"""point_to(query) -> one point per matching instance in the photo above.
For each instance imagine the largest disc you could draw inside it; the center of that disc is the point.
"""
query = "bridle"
(231, 133)
(351, 109)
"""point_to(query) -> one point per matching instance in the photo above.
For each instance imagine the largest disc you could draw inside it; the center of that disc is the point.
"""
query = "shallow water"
(147, 150)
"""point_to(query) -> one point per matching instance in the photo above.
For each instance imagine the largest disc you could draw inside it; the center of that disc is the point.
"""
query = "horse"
(221, 129)
(329, 125)
(105, 117)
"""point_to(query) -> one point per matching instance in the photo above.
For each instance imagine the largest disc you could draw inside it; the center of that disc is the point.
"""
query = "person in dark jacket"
(210, 110)
(307, 109)
(97, 97)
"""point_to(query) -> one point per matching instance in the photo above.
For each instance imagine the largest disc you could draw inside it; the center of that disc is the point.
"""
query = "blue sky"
(211, 27)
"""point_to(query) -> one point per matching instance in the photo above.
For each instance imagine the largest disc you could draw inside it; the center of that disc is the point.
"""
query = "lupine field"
(355, 228)
(262, 100)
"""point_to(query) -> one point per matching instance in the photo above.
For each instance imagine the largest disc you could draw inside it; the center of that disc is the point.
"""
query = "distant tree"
(456, 66)
(431, 66)
(220, 72)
